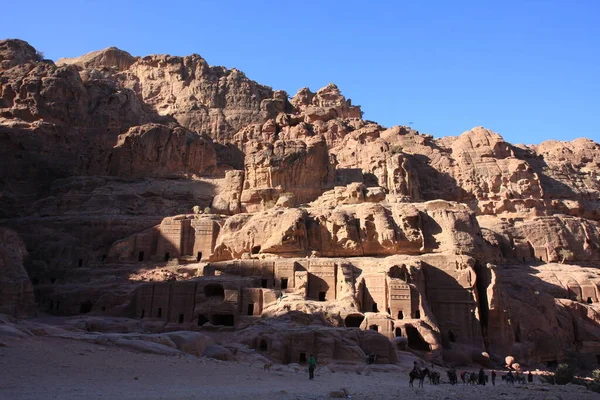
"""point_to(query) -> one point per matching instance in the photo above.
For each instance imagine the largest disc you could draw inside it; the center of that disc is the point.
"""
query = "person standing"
(312, 364)
(530, 377)
(481, 377)
(493, 378)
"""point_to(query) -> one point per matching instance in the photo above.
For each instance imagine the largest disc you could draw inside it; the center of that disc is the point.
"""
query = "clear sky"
(527, 69)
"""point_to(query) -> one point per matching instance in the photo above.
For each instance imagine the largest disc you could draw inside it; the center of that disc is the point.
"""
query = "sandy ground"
(54, 368)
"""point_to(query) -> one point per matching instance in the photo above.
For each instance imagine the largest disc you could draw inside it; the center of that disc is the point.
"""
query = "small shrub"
(565, 255)
(206, 210)
(564, 374)
(595, 385)
(39, 55)
(395, 149)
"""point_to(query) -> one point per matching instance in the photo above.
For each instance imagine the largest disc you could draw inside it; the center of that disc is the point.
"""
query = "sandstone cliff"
(197, 198)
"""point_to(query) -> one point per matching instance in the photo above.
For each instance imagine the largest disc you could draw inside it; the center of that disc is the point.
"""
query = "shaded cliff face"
(159, 161)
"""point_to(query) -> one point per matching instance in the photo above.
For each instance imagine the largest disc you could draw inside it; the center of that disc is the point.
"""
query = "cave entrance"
(223, 319)
(321, 296)
(202, 319)
(255, 250)
(302, 358)
(250, 308)
(354, 321)
(284, 283)
(415, 340)
(214, 290)
(589, 300)
(85, 307)
(199, 256)
(141, 256)
(262, 346)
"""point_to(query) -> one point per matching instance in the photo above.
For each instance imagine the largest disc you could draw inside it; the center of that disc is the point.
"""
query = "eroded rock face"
(16, 290)
(157, 150)
(197, 198)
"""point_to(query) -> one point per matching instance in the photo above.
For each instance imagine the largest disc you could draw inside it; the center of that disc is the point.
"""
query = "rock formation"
(189, 197)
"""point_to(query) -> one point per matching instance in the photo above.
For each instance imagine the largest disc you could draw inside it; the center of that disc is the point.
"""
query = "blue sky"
(528, 69)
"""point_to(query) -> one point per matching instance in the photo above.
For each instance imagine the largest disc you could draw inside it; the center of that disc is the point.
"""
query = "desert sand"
(54, 368)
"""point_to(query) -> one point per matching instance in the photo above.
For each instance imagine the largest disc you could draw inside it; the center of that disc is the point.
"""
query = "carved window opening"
(180, 320)
(418, 314)
(302, 358)
(255, 250)
(400, 314)
(141, 256)
(321, 296)
(143, 313)
(374, 309)
(451, 336)
(250, 308)
(374, 327)
(398, 332)
(202, 320)
(264, 283)
(85, 307)
(159, 313)
(167, 256)
(589, 300)
(284, 283)
(199, 256)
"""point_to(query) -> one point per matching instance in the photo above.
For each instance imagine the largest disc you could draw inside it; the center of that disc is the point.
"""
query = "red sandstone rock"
(444, 240)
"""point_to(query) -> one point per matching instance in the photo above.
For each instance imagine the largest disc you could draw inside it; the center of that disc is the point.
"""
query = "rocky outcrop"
(157, 150)
(302, 168)
(110, 57)
(14, 52)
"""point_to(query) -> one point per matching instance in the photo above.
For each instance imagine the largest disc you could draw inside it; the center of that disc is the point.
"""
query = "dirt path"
(52, 368)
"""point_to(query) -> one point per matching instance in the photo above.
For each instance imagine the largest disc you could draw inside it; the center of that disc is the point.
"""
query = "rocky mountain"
(188, 196)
